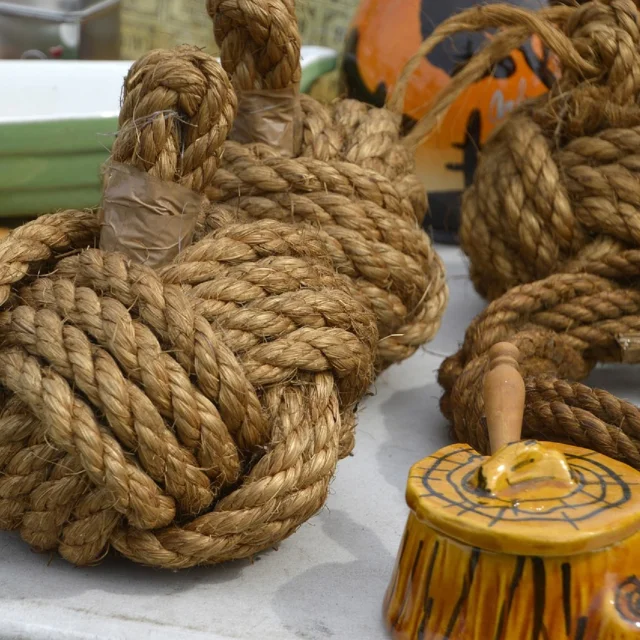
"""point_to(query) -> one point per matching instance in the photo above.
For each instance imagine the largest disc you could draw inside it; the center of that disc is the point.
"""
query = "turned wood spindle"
(504, 395)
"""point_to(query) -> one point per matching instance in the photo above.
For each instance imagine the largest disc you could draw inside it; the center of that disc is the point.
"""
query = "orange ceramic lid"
(600, 508)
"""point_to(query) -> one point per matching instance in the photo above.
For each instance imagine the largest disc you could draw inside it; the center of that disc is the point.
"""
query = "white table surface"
(325, 582)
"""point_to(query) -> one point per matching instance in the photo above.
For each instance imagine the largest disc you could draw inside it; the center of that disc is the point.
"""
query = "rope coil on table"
(550, 225)
(195, 413)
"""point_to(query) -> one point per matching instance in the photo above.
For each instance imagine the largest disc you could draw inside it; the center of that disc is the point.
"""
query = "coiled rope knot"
(551, 225)
(349, 149)
(606, 36)
(558, 181)
(186, 415)
(195, 413)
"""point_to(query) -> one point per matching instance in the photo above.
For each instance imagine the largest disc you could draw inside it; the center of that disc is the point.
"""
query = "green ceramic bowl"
(57, 123)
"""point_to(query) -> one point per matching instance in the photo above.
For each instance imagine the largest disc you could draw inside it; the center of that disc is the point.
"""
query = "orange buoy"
(384, 35)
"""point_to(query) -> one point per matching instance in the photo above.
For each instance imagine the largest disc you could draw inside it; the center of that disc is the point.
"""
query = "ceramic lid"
(599, 507)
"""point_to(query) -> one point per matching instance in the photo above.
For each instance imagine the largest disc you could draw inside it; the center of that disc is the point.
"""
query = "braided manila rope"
(346, 149)
(551, 226)
(186, 415)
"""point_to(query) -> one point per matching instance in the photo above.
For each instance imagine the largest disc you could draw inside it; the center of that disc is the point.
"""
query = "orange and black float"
(383, 36)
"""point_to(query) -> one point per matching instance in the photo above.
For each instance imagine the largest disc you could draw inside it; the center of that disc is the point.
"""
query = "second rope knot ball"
(558, 183)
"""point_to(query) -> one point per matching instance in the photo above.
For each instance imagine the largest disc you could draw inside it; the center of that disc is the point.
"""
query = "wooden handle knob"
(504, 395)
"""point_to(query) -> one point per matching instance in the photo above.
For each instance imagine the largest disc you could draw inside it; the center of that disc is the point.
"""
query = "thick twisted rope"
(558, 178)
(259, 42)
(353, 178)
(563, 325)
(197, 107)
(551, 223)
(188, 415)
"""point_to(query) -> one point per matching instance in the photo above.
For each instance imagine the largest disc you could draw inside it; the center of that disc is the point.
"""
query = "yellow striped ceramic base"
(444, 590)
(557, 563)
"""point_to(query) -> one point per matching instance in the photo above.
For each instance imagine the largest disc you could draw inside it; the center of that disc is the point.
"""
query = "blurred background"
(148, 24)
(125, 29)
(58, 119)
(61, 68)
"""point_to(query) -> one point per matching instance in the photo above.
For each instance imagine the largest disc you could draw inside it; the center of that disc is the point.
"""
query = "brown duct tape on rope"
(270, 117)
(148, 220)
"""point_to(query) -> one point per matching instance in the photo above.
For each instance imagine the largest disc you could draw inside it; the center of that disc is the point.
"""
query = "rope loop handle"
(259, 42)
(177, 109)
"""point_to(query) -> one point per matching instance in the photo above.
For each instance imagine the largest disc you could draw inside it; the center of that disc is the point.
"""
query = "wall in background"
(151, 24)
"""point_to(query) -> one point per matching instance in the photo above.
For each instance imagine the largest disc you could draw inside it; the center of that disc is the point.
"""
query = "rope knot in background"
(558, 182)
(551, 225)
